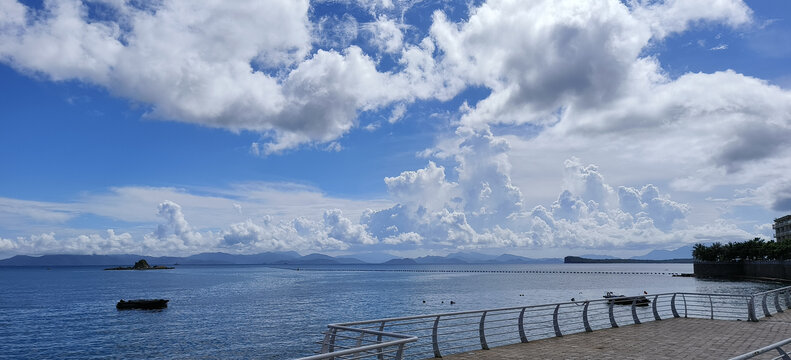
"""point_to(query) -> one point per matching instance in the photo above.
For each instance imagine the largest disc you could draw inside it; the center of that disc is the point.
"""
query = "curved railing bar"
(653, 307)
(484, 346)
(776, 346)
(585, 318)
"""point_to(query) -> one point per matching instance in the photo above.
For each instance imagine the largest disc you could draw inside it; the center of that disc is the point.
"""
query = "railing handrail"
(360, 349)
(773, 290)
(413, 317)
(369, 331)
(762, 350)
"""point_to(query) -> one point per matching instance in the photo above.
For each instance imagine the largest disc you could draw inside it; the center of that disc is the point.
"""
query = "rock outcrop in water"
(141, 264)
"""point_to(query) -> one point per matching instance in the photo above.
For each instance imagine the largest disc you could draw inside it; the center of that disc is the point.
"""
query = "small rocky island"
(141, 265)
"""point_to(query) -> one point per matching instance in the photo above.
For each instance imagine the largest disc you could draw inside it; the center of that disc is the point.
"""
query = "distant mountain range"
(473, 258)
(294, 258)
(684, 252)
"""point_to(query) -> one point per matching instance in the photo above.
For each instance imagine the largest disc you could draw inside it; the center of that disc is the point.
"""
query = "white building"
(782, 228)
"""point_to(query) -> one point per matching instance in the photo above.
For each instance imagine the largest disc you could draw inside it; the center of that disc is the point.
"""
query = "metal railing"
(778, 346)
(772, 301)
(436, 335)
(342, 342)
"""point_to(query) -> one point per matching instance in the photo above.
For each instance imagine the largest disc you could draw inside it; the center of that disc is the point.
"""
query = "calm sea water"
(274, 313)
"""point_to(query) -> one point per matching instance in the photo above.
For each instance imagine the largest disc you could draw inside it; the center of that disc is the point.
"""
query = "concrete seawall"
(767, 270)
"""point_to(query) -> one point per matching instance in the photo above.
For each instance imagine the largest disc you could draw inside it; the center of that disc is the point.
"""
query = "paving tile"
(667, 339)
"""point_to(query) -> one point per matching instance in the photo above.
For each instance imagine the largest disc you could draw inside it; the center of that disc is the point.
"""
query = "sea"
(262, 312)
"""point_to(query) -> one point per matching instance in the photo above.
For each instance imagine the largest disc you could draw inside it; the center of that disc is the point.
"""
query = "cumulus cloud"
(206, 63)
(251, 66)
(483, 208)
(580, 73)
(107, 242)
(333, 232)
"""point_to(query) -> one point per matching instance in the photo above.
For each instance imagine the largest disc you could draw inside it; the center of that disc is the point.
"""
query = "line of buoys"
(496, 271)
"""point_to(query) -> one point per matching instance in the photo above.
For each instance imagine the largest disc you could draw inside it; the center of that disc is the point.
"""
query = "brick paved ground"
(667, 339)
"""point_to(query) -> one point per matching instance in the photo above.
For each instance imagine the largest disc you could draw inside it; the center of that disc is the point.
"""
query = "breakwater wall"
(762, 270)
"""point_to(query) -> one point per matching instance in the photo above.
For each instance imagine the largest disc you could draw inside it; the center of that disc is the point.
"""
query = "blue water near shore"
(277, 313)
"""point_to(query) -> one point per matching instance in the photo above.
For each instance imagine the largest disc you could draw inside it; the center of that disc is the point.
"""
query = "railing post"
(400, 353)
(711, 304)
(522, 335)
(673, 306)
(585, 317)
(653, 306)
(328, 345)
(777, 302)
(614, 324)
(434, 341)
(484, 346)
(766, 309)
(788, 299)
(783, 354)
(360, 339)
(634, 312)
(684, 297)
(380, 356)
(751, 309)
(555, 321)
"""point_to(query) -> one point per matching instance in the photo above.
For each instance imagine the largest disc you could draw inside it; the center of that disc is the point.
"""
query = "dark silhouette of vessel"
(624, 300)
(142, 304)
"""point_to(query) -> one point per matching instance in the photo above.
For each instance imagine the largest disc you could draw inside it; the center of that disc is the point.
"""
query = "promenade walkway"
(678, 338)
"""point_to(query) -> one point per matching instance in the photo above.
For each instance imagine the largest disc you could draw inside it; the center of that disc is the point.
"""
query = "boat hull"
(142, 304)
(623, 300)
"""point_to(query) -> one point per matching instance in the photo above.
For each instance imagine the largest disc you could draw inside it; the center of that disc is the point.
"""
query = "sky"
(391, 127)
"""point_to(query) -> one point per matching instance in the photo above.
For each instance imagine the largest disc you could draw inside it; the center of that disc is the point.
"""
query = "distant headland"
(582, 260)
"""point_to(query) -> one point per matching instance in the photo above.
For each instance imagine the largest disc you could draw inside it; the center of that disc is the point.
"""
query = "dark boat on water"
(142, 304)
(624, 300)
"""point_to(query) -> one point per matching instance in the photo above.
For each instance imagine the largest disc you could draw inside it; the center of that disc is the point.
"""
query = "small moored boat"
(624, 300)
(143, 304)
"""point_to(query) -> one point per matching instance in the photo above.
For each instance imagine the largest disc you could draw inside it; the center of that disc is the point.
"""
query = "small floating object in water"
(623, 300)
(452, 302)
(142, 304)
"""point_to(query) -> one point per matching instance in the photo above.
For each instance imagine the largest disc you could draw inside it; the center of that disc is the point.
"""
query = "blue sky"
(404, 127)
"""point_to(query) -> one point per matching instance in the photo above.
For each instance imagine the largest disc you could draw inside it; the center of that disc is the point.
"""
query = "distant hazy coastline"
(680, 255)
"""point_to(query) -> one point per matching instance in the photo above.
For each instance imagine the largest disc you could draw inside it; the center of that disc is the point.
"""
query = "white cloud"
(336, 32)
(201, 62)
(25, 211)
(404, 238)
(580, 73)
(333, 232)
(481, 209)
(675, 16)
(95, 243)
(387, 35)
(484, 209)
